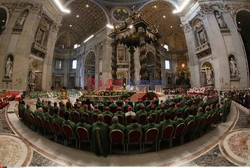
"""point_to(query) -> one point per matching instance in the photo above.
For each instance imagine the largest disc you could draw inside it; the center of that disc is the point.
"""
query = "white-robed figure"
(233, 67)
(8, 68)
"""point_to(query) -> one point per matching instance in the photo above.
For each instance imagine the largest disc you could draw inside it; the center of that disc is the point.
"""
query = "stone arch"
(176, 5)
(4, 15)
(242, 17)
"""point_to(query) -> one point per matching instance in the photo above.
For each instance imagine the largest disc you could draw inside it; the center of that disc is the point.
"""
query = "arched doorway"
(89, 72)
(151, 66)
(3, 19)
(242, 20)
(207, 74)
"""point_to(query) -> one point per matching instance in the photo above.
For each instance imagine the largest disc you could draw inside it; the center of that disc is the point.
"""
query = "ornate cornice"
(187, 27)
(211, 7)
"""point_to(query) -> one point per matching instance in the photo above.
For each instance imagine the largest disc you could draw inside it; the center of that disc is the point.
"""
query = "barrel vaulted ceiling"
(89, 16)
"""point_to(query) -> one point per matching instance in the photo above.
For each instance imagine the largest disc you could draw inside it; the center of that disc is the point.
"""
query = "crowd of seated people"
(104, 122)
(240, 96)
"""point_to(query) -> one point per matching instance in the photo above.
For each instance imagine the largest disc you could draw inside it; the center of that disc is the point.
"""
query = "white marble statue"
(233, 67)
(20, 21)
(220, 19)
(8, 68)
(202, 36)
(209, 74)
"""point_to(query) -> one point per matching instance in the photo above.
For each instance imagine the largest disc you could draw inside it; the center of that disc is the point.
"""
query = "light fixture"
(3, 21)
(164, 16)
(155, 6)
(87, 6)
(90, 37)
(171, 27)
(110, 26)
(166, 47)
(238, 22)
(61, 7)
(130, 26)
(182, 7)
(77, 16)
(70, 25)
(183, 65)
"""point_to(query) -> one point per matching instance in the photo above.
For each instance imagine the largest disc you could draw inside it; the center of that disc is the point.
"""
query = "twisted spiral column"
(132, 63)
(158, 62)
(114, 60)
(143, 58)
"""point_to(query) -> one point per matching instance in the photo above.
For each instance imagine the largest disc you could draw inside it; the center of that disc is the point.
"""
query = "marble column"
(48, 60)
(4, 49)
(193, 59)
(236, 47)
(106, 74)
(23, 48)
(219, 53)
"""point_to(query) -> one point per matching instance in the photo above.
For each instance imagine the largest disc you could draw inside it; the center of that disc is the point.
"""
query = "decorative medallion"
(236, 147)
(120, 14)
(13, 151)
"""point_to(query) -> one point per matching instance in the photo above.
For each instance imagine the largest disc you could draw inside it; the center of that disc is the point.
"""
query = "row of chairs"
(152, 136)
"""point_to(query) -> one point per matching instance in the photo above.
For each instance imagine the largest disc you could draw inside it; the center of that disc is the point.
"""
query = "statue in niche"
(207, 69)
(32, 80)
(220, 20)
(200, 33)
(20, 21)
(9, 67)
(202, 36)
(209, 74)
(233, 67)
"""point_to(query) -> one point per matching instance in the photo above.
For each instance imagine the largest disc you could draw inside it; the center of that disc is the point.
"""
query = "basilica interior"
(124, 83)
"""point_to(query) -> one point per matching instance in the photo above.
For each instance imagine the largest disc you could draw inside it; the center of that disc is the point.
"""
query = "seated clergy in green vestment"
(134, 125)
(150, 125)
(83, 124)
(116, 125)
(100, 138)
(38, 103)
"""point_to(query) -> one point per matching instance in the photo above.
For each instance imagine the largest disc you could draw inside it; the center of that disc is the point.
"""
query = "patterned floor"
(214, 157)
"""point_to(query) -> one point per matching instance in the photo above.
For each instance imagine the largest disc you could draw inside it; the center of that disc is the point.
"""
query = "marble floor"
(208, 150)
